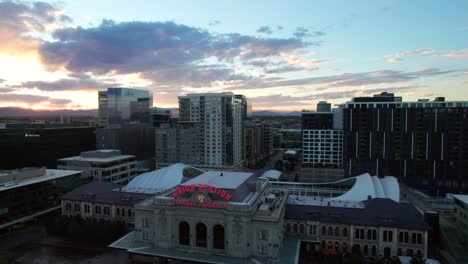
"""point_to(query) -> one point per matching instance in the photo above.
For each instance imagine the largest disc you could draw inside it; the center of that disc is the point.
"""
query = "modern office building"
(422, 143)
(131, 139)
(258, 143)
(322, 144)
(461, 217)
(216, 120)
(178, 142)
(233, 217)
(30, 192)
(323, 106)
(102, 108)
(322, 138)
(124, 105)
(107, 165)
(35, 147)
(162, 115)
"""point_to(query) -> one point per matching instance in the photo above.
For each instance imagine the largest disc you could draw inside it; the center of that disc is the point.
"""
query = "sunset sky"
(283, 55)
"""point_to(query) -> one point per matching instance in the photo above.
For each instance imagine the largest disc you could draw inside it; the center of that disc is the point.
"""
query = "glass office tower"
(126, 105)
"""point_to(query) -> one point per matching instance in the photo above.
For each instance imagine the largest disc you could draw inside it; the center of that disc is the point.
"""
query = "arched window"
(374, 251)
(330, 231)
(201, 235)
(218, 237)
(184, 233)
(337, 231)
(366, 250)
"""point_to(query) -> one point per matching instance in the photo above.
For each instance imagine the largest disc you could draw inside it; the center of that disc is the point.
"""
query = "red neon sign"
(201, 200)
(202, 188)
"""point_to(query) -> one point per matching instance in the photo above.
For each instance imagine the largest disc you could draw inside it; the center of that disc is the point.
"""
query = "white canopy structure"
(271, 175)
(366, 186)
(158, 180)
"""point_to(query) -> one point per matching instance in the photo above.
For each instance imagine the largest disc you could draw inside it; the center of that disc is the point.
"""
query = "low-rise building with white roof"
(107, 165)
(30, 192)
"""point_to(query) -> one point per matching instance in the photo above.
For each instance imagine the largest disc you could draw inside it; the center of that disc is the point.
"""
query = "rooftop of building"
(99, 156)
(10, 179)
(162, 179)
(207, 94)
(374, 212)
(461, 197)
(104, 192)
(221, 179)
(240, 186)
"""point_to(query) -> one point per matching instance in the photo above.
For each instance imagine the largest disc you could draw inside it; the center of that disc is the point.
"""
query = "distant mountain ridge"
(25, 112)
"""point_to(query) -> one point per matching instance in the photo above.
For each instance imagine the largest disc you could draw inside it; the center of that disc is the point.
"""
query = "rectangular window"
(413, 238)
(97, 209)
(145, 222)
(374, 234)
(263, 235)
(356, 233)
(77, 207)
(106, 210)
(86, 208)
(129, 212)
(369, 236)
(384, 235)
(118, 211)
(390, 236)
(419, 238)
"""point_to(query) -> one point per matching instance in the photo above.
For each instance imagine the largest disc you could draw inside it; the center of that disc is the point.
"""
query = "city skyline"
(58, 55)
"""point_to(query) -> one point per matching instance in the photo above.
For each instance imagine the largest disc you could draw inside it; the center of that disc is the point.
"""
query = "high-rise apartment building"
(124, 105)
(257, 143)
(322, 139)
(215, 121)
(423, 143)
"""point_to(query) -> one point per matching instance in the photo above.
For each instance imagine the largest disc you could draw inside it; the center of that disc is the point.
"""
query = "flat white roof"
(228, 179)
(318, 201)
(273, 174)
(50, 175)
(102, 160)
(157, 180)
(461, 197)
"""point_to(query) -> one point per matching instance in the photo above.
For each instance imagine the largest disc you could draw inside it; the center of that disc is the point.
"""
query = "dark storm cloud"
(161, 51)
